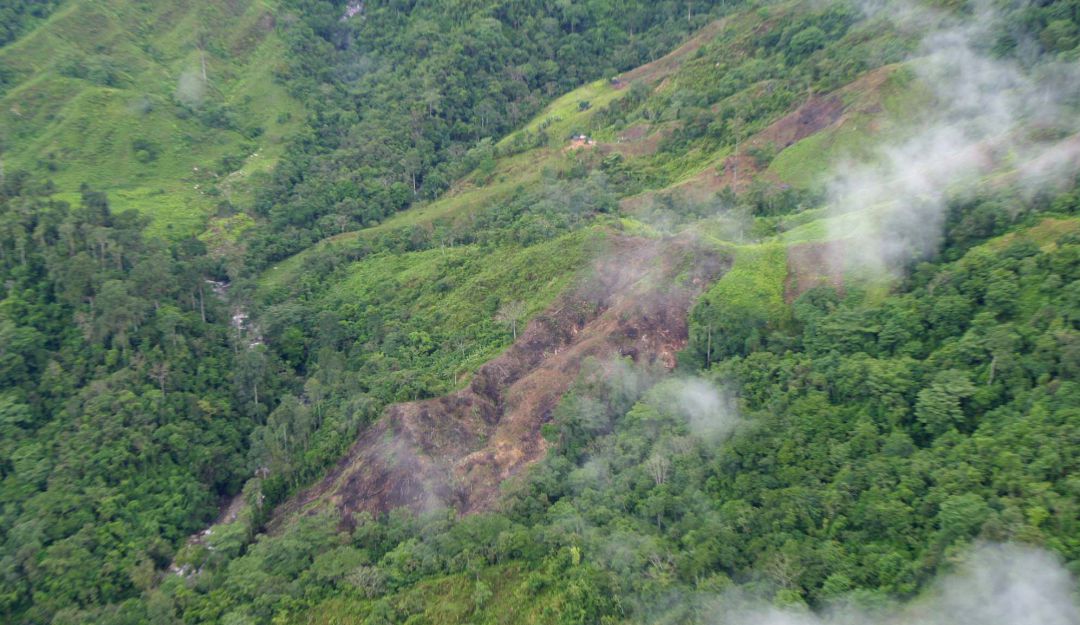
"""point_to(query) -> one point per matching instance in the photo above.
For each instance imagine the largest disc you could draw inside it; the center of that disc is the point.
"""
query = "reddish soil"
(666, 65)
(456, 450)
(580, 144)
(819, 113)
(638, 140)
(815, 115)
(814, 264)
(635, 133)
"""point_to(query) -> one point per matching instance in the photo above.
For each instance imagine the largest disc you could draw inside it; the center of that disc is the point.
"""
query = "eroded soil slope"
(455, 450)
(815, 115)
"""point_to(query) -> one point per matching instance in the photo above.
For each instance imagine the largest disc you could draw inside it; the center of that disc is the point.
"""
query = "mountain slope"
(653, 147)
(456, 450)
(167, 107)
(782, 321)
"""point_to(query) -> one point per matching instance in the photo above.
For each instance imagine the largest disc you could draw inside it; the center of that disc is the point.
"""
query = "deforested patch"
(457, 449)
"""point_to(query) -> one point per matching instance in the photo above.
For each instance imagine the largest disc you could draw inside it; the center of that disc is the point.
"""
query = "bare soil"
(737, 171)
(638, 140)
(817, 113)
(456, 450)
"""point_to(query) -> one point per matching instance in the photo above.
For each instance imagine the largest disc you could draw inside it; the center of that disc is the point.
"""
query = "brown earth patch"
(812, 265)
(867, 88)
(814, 115)
(638, 140)
(635, 133)
(580, 143)
(245, 42)
(456, 450)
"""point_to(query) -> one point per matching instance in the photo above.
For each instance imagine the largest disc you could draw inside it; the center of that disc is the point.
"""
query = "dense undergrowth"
(122, 409)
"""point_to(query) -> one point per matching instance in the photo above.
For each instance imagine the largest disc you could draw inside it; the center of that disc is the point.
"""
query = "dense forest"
(121, 420)
(450, 178)
(408, 91)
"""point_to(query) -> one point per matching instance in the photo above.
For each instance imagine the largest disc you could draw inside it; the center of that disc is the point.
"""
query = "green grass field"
(755, 282)
(444, 301)
(463, 598)
(878, 106)
(114, 95)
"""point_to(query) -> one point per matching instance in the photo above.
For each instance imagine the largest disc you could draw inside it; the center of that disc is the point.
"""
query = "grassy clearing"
(224, 233)
(446, 207)
(452, 294)
(468, 196)
(811, 230)
(1044, 234)
(453, 204)
(755, 283)
(802, 164)
(871, 102)
(564, 117)
(878, 105)
(459, 601)
(95, 99)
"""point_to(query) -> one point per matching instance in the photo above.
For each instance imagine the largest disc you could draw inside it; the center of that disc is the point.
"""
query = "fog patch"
(987, 115)
(191, 87)
(594, 474)
(710, 412)
(994, 585)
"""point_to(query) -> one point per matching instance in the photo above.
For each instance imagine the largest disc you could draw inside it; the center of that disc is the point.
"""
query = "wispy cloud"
(995, 585)
(986, 115)
(710, 412)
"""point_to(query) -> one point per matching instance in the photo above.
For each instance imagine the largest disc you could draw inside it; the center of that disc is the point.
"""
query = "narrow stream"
(247, 333)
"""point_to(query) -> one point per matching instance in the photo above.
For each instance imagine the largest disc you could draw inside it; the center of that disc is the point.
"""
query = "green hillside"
(169, 108)
(539, 313)
(641, 145)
